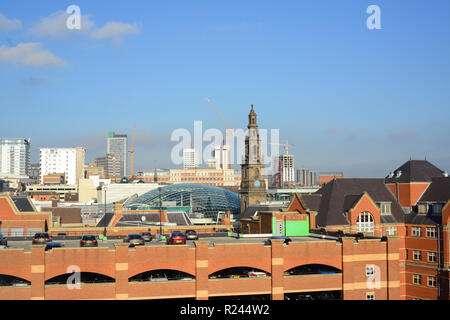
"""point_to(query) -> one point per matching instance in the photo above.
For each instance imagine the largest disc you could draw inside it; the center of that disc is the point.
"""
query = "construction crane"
(132, 152)
(285, 145)
(228, 131)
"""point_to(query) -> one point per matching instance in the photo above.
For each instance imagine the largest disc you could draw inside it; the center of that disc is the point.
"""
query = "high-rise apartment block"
(221, 157)
(306, 177)
(15, 156)
(287, 172)
(190, 158)
(117, 144)
(69, 161)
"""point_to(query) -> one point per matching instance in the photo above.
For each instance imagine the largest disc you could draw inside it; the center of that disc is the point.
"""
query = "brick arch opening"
(82, 277)
(315, 268)
(7, 280)
(161, 275)
(239, 272)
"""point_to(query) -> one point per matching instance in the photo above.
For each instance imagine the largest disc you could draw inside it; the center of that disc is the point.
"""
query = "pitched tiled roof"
(439, 190)
(415, 171)
(22, 203)
(312, 201)
(254, 209)
(340, 195)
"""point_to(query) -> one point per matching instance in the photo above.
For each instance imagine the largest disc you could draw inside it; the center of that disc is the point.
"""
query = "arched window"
(365, 222)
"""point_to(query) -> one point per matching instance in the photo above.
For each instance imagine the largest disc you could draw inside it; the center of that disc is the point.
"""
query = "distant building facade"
(190, 158)
(69, 161)
(306, 177)
(15, 156)
(117, 144)
(112, 165)
(325, 177)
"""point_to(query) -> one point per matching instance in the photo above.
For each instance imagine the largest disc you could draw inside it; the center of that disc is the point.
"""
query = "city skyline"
(350, 99)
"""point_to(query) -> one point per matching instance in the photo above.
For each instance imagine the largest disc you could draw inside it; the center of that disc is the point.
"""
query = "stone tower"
(253, 185)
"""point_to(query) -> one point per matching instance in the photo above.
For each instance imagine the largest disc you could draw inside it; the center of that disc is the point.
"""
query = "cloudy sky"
(348, 98)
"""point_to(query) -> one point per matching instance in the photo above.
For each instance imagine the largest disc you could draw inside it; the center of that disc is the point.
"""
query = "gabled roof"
(415, 171)
(340, 195)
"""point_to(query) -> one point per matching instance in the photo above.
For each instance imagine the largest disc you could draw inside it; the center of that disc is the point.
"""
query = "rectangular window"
(391, 231)
(370, 271)
(416, 231)
(432, 257)
(422, 209)
(431, 232)
(417, 255)
(417, 279)
(385, 208)
(437, 209)
(432, 281)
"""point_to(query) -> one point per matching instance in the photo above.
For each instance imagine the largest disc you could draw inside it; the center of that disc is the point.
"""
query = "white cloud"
(55, 26)
(7, 25)
(29, 54)
(115, 30)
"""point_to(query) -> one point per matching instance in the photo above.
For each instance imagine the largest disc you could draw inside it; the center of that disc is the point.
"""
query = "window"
(422, 208)
(417, 255)
(431, 232)
(416, 231)
(391, 231)
(370, 296)
(417, 279)
(370, 271)
(437, 209)
(432, 257)
(432, 281)
(385, 208)
(365, 222)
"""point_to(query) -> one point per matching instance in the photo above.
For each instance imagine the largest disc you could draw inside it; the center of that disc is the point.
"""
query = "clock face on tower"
(257, 183)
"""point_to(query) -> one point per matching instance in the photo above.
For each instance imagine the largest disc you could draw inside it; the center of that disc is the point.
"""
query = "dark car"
(41, 238)
(88, 240)
(176, 237)
(3, 241)
(51, 245)
(134, 239)
(191, 235)
(147, 236)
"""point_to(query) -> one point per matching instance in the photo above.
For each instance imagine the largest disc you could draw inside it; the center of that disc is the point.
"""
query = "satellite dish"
(391, 174)
(143, 218)
(445, 173)
(399, 173)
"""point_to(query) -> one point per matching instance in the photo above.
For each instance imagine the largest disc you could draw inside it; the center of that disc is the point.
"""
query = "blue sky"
(349, 98)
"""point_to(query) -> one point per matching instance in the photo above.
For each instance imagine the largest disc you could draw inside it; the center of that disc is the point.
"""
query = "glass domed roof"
(201, 198)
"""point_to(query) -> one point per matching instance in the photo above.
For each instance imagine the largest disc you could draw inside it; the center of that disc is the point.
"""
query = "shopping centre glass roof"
(201, 198)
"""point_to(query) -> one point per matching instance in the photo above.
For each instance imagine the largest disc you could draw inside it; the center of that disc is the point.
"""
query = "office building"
(117, 144)
(15, 156)
(111, 165)
(69, 161)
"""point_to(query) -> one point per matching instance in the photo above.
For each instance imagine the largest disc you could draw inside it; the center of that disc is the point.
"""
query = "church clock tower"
(253, 184)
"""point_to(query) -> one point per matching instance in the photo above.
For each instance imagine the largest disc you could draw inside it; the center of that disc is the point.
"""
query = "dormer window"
(422, 208)
(437, 208)
(385, 208)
